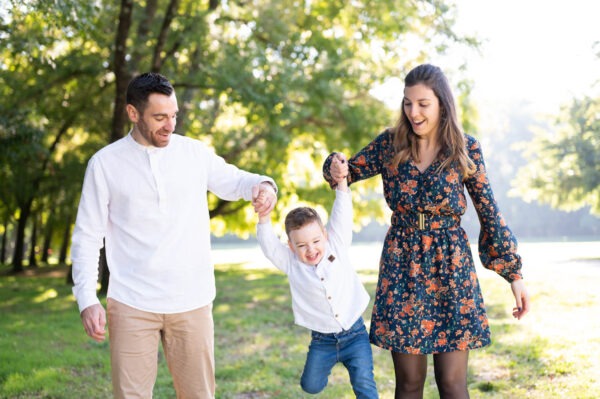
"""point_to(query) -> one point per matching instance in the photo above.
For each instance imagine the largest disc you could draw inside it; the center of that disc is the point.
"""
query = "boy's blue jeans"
(352, 348)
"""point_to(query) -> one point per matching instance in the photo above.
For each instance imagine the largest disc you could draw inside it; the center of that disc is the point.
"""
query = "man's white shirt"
(150, 204)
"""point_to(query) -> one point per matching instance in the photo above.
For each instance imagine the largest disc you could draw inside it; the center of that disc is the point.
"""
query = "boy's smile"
(309, 243)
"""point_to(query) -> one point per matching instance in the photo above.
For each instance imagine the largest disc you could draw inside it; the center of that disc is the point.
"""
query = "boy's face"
(308, 243)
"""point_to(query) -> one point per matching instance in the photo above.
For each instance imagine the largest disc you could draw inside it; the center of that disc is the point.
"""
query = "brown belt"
(424, 221)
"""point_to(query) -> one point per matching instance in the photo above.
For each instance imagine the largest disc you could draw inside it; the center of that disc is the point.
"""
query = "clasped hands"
(338, 169)
(264, 198)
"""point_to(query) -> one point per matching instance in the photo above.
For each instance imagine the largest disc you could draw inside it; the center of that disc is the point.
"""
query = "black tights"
(450, 374)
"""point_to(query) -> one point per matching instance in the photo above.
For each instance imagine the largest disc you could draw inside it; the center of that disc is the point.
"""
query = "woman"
(428, 299)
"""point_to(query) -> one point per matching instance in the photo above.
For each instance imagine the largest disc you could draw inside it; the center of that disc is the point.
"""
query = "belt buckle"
(421, 221)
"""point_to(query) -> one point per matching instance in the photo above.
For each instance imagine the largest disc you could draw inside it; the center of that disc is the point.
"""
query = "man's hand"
(94, 320)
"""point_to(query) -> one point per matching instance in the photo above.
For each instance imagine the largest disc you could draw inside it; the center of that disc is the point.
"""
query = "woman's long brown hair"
(452, 139)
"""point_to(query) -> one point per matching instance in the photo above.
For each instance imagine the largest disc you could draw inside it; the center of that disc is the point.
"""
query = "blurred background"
(275, 85)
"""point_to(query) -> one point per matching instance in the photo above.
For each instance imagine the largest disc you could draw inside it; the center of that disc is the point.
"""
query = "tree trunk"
(17, 261)
(64, 246)
(4, 241)
(157, 59)
(33, 242)
(103, 272)
(47, 241)
(143, 34)
(122, 75)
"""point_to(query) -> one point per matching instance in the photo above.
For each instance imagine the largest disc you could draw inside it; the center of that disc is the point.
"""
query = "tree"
(49, 62)
(272, 85)
(23, 151)
(269, 83)
(564, 166)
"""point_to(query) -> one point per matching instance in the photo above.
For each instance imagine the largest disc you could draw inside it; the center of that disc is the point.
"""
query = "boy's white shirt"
(329, 297)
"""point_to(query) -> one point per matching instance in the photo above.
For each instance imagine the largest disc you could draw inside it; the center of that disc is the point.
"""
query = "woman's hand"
(339, 168)
(521, 297)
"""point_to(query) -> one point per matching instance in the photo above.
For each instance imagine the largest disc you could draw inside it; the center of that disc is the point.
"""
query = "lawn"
(552, 353)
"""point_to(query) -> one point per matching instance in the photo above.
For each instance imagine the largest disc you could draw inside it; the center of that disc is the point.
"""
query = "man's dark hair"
(300, 217)
(140, 88)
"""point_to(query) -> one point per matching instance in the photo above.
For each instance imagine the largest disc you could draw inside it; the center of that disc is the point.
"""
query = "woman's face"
(422, 108)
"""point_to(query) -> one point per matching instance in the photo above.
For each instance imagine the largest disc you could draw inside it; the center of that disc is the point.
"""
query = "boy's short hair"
(300, 217)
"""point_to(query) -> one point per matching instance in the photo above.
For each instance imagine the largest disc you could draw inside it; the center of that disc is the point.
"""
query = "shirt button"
(329, 297)
(337, 315)
(322, 278)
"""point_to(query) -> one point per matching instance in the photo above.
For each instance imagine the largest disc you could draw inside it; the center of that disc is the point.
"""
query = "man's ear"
(132, 113)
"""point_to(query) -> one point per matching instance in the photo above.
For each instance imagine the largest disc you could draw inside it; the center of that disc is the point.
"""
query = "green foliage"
(469, 116)
(20, 155)
(293, 86)
(272, 85)
(564, 168)
(51, 80)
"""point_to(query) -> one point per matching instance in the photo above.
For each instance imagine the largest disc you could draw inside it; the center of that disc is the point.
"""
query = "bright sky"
(534, 50)
(537, 52)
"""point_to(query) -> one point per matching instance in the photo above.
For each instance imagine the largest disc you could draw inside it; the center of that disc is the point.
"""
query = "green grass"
(552, 353)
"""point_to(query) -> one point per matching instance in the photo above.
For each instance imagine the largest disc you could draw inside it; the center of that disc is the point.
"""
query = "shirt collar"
(149, 149)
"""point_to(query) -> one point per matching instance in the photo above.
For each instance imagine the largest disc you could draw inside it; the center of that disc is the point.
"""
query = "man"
(146, 196)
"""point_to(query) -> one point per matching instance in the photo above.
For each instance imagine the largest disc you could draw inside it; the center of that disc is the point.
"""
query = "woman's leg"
(451, 374)
(411, 371)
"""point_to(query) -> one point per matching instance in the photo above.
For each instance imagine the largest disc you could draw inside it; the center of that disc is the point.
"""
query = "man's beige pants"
(188, 344)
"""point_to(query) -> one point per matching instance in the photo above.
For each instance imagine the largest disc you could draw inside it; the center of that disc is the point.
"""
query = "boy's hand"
(263, 200)
(339, 171)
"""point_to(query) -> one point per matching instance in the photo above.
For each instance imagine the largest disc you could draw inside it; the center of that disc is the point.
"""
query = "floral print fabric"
(428, 298)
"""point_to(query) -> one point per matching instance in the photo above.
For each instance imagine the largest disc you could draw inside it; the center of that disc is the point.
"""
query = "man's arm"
(88, 235)
(231, 183)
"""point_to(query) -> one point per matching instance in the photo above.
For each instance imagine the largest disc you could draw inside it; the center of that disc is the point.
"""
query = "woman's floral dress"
(428, 298)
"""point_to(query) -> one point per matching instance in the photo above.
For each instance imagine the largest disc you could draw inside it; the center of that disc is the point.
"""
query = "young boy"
(327, 295)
